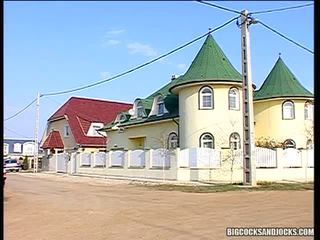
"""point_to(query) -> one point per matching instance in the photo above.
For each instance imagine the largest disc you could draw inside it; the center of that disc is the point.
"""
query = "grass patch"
(262, 186)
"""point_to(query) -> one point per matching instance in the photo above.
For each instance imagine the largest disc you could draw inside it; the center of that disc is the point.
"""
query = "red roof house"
(73, 125)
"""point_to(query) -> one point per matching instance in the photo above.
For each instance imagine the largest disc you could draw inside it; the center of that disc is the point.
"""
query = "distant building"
(20, 149)
(73, 126)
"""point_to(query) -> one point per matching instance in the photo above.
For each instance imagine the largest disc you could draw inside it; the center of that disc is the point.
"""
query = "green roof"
(210, 64)
(281, 83)
(171, 102)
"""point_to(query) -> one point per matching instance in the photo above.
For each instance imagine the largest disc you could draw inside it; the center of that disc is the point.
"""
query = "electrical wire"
(16, 114)
(220, 7)
(142, 65)
(282, 9)
(280, 34)
(124, 73)
(18, 134)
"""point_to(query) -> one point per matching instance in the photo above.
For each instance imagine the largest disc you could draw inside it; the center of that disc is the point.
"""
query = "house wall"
(220, 121)
(269, 122)
(69, 142)
(155, 136)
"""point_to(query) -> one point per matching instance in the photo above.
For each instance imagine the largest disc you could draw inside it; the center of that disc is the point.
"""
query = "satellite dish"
(131, 112)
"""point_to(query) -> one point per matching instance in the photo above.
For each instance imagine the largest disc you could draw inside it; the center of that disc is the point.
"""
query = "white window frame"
(234, 94)
(206, 138)
(308, 110)
(173, 140)
(289, 143)
(288, 110)
(235, 141)
(160, 106)
(140, 110)
(66, 131)
(203, 94)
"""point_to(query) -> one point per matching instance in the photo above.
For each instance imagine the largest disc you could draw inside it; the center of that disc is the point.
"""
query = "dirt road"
(50, 207)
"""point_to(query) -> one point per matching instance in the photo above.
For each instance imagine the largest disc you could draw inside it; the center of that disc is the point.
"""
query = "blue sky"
(55, 46)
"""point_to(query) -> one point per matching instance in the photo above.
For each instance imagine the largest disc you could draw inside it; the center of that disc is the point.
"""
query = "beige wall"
(269, 122)
(69, 142)
(220, 121)
(155, 136)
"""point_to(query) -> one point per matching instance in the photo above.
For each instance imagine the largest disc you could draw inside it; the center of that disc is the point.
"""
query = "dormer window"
(93, 130)
(140, 110)
(160, 105)
(120, 118)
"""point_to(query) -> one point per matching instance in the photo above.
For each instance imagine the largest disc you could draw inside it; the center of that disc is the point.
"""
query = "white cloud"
(142, 49)
(182, 66)
(111, 42)
(114, 32)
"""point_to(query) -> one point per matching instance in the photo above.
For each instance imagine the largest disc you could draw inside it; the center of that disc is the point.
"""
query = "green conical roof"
(281, 83)
(210, 64)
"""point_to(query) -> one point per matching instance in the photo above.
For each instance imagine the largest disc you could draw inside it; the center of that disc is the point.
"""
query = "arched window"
(206, 141)
(289, 143)
(288, 110)
(173, 140)
(206, 98)
(234, 141)
(17, 147)
(308, 110)
(160, 105)
(140, 110)
(234, 99)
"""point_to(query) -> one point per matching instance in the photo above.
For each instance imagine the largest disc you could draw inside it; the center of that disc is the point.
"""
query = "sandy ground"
(50, 207)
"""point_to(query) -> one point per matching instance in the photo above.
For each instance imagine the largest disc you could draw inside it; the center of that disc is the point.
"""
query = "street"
(56, 207)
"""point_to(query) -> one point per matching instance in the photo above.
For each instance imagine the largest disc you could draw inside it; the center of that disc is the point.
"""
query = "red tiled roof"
(53, 140)
(81, 112)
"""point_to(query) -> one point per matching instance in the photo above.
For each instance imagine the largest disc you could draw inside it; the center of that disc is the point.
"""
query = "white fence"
(187, 164)
(292, 158)
(265, 158)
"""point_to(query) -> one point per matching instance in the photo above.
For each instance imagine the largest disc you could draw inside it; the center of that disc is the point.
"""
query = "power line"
(16, 114)
(142, 65)
(220, 7)
(124, 73)
(280, 34)
(18, 134)
(282, 9)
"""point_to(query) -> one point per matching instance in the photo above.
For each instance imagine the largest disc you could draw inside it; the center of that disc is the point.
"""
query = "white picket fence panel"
(117, 159)
(52, 163)
(204, 158)
(62, 162)
(137, 158)
(85, 159)
(265, 158)
(100, 159)
(292, 158)
(183, 160)
(160, 158)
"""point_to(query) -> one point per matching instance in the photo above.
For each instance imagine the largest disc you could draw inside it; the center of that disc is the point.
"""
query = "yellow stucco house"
(203, 108)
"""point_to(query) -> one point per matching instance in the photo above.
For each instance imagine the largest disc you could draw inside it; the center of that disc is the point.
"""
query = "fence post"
(56, 156)
(150, 158)
(280, 161)
(127, 163)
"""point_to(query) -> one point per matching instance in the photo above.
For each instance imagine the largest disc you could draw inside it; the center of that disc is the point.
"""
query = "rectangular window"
(66, 131)
(17, 147)
(206, 101)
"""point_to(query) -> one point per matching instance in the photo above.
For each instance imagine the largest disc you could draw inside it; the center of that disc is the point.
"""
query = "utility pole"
(249, 164)
(36, 139)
